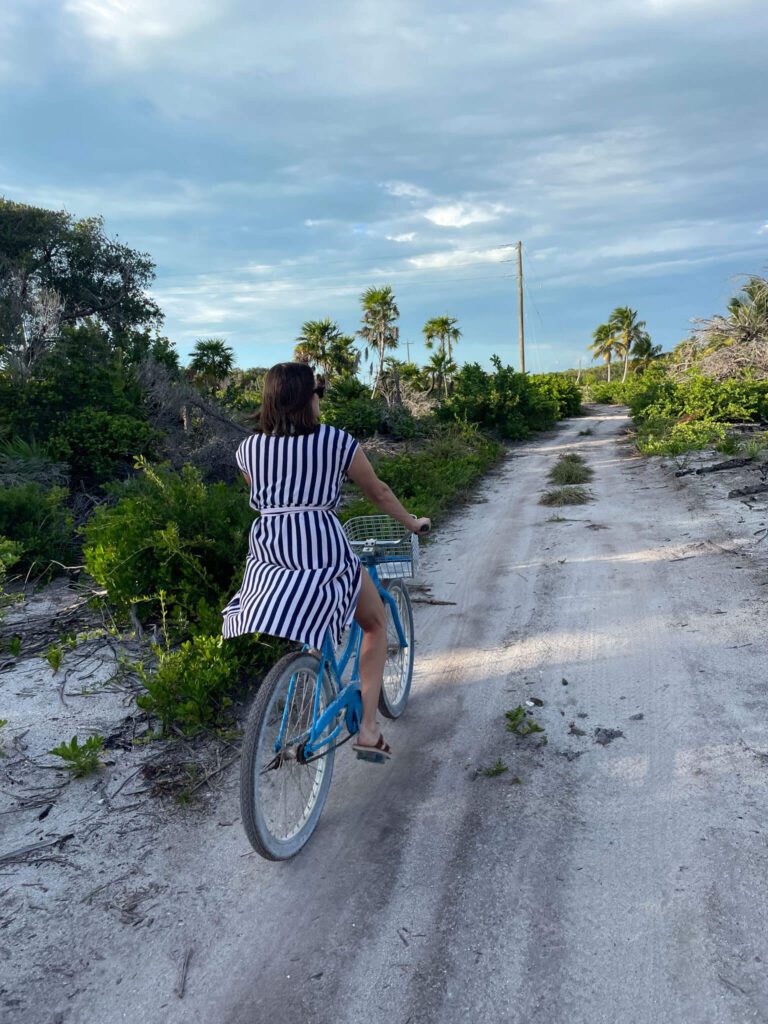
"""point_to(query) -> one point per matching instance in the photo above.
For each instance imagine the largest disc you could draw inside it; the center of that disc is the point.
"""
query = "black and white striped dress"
(301, 576)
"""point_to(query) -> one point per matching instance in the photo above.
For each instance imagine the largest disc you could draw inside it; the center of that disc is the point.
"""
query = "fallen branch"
(23, 851)
(744, 492)
(429, 600)
(183, 973)
(716, 467)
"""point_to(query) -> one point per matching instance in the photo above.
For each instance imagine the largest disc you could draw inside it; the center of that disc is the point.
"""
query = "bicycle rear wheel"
(398, 669)
(281, 799)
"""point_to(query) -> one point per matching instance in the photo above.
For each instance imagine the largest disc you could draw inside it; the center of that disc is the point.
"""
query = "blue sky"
(277, 159)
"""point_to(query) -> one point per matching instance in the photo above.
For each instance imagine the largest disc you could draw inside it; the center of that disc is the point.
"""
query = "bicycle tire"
(258, 784)
(398, 669)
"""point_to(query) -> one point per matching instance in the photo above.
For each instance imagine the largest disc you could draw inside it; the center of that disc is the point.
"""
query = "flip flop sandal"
(380, 753)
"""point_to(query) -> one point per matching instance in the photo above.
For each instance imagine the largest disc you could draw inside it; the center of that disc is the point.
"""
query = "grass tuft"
(568, 471)
(560, 496)
(586, 433)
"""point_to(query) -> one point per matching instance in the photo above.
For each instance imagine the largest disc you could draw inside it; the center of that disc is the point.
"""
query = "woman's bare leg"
(371, 616)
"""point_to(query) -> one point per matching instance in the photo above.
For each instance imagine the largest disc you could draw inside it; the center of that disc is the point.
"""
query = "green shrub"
(38, 521)
(398, 423)
(662, 436)
(170, 532)
(604, 393)
(428, 480)
(503, 401)
(564, 390)
(192, 686)
(96, 443)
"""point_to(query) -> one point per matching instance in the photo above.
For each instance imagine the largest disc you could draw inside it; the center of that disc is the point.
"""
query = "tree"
(212, 361)
(444, 330)
(603, 344)
(627, 331)
(644, 352)
(379, 330)
(441, 369)
(322, 344)
(56, 270)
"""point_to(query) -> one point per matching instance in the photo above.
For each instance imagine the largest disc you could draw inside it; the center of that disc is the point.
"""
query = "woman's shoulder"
(335, 432)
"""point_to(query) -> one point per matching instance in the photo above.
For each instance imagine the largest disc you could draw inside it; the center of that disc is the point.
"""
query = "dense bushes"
(95, 444)
(674, 415)
(39, 523)
(171, 533)
(81, 402)
(511, 404)
(429, 479)
(349, 406)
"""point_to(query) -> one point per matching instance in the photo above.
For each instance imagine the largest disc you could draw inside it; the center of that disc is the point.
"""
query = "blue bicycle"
(310, 703)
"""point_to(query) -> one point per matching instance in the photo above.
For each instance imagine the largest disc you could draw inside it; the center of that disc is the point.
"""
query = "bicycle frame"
(348, 704)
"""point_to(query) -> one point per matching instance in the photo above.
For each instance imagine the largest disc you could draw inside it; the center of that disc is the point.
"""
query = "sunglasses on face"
(319, 390)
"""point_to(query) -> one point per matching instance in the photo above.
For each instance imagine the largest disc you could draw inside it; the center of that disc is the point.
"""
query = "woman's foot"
(370, 746)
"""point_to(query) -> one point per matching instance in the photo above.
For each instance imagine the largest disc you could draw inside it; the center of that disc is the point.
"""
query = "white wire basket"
(385, 543)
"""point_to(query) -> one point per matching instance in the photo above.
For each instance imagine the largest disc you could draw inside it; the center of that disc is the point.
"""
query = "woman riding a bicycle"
(302, 581)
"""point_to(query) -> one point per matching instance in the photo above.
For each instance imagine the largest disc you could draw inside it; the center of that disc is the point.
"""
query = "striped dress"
(301, 576)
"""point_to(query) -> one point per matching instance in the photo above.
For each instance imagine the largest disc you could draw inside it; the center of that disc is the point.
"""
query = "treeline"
(116, 458)
(693, 397)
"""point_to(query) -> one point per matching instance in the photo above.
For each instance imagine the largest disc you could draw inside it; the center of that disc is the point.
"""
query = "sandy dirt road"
(620, 881)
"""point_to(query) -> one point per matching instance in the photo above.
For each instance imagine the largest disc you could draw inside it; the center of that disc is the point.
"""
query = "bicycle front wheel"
(281, 798)
(398, 669)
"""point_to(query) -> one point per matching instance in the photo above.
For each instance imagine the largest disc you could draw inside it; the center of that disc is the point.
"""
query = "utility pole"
(520, 304)
(408, 350)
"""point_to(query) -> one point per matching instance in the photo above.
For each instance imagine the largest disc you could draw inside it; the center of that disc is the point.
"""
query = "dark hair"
(286, 400)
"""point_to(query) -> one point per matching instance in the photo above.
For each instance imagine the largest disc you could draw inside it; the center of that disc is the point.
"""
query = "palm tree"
(644, 352)
(322, 344)
(627, 330)
(444, 330)
(379, 330)
(602, 345)
(212, 361)
(440, 369)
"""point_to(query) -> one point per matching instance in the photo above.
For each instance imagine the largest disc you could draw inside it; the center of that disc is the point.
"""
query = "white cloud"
(460, 215)
(460, 258)
(132, 27)
(407, 237)
(404, 188)
(763, 230)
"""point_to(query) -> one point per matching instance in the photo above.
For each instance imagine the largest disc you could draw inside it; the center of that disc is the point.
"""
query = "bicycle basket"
(382, 541)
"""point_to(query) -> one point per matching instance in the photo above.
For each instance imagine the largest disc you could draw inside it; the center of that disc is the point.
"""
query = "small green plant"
(497, 768)
(586, 433)
(729, 445)
(568, 471)
(520, 722)
(565, 496)
(55, 656)
(81, 760)
(14, 645)
(754, 448)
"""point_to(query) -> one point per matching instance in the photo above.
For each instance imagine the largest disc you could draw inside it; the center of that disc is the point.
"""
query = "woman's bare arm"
(380, 494)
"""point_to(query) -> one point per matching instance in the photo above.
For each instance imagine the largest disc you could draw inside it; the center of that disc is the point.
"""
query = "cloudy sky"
(277, 159)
